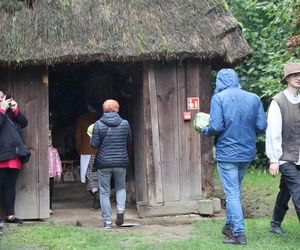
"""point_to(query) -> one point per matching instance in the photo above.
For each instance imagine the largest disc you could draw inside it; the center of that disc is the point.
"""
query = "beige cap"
(290, 68)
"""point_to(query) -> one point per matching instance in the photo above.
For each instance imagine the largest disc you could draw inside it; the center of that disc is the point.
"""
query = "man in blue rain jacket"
(236, 117)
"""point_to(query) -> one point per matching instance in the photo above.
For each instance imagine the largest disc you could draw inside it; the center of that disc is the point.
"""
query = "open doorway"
(70, 86)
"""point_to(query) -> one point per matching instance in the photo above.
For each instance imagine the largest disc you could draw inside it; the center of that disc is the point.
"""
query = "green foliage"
(90, 43)
(267, 25)
(141, 43)
(67, 3)
(165, 47)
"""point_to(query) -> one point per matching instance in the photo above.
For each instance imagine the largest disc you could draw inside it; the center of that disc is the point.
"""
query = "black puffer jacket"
(11, 141)
(112, 135)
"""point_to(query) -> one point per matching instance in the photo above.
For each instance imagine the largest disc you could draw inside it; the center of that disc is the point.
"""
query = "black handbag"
(25, 158)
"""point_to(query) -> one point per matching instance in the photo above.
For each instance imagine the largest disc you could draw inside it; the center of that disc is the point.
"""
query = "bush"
(267, 25)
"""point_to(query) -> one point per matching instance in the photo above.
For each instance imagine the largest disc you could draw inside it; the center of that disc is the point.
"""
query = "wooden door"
(177, 160)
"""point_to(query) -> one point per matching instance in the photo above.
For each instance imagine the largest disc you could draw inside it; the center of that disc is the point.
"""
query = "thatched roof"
(118, 30)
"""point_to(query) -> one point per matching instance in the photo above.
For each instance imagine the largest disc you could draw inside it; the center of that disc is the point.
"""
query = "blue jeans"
(104, 176)
(231, 175)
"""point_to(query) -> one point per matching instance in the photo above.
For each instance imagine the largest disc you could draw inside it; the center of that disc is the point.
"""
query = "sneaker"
(227, 231)
(120, 218)
(14, 220)
(236, 240)
(107, 224)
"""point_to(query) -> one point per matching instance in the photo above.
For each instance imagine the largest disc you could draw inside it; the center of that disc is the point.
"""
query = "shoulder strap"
(107, 130)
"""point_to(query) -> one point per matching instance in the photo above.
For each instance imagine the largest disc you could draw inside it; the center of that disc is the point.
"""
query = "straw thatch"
(54, 31)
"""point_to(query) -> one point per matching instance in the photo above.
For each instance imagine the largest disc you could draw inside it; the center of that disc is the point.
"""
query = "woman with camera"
(12, 148)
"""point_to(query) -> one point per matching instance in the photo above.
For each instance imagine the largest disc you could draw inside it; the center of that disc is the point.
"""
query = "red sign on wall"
(193, 103)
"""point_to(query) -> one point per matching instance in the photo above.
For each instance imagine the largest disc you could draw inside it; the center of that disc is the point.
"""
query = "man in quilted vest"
(283, 145)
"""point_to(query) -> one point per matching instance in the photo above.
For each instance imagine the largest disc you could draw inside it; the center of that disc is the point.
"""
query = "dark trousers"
(289, 187)
(8, 180)
(51, 186)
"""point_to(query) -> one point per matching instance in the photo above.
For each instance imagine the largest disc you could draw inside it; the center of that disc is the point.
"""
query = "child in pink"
(55, 169)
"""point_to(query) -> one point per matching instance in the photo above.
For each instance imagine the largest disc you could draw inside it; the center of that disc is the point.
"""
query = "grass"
(204, 235)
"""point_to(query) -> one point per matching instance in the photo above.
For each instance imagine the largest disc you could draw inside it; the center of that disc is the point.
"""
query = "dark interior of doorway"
(71, 85)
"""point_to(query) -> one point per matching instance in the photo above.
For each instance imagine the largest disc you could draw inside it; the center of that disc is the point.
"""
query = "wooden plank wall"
(151, 191)
(27, 87)
(189, 140)
(167, 105)
(155, 128)
(176, 157)
(138, 140)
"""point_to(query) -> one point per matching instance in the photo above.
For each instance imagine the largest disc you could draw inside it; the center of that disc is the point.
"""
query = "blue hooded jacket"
(236, 117)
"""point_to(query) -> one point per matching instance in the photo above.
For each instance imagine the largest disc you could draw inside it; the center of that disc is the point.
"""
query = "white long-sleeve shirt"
(274, 129)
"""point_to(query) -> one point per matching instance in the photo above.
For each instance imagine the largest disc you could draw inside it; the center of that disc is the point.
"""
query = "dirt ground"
(72, 205)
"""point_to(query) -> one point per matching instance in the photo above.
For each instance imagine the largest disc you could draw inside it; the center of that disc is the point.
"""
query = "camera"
(8, 96)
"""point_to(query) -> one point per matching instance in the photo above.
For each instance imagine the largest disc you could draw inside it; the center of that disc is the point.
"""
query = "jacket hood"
(111, 119)
(227, 78)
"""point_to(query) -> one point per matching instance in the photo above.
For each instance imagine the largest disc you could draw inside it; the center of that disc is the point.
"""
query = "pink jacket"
(55, 168)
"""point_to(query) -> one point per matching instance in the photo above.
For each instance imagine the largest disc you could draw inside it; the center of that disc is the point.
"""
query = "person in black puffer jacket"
(12, 149)
(112, 136)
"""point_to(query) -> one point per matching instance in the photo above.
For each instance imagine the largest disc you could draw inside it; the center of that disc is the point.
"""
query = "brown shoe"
(236, 240)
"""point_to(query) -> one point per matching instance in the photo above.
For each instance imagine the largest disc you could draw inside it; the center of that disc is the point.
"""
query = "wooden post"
(151, 141)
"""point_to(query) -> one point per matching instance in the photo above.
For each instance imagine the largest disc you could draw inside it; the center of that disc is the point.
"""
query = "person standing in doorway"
(112, 136)
(236, 117)
(55, 168)
(92, 185)
(83, 140)
(11, 151)
(283, 145)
